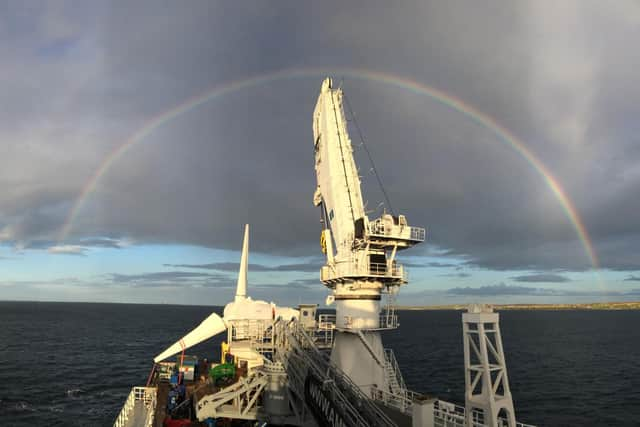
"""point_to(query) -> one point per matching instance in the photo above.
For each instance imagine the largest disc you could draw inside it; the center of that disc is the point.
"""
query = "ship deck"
(137, 415)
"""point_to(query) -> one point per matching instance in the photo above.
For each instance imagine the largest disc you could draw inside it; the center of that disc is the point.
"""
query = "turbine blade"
(241, 290)
(209, 327)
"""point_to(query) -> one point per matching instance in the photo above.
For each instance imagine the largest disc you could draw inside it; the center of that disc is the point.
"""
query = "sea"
(73, 364)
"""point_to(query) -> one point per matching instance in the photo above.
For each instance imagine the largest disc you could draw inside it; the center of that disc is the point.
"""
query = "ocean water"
(73, 364)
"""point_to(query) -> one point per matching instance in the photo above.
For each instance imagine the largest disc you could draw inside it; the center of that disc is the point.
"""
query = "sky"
(137, 139)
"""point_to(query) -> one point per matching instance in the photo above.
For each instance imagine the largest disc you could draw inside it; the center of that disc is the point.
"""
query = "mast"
(360, 253)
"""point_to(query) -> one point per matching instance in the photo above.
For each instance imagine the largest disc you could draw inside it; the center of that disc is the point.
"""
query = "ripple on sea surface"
(74, 364)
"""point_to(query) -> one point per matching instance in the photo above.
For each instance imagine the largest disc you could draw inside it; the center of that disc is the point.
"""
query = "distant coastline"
(635, 305)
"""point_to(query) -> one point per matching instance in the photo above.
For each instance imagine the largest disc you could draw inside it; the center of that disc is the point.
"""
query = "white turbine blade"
(209, 327)
(241, 290)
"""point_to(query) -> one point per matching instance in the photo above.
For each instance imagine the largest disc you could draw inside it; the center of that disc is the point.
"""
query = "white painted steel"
(237, 401)
(338, 180)
(239, 315)
(144, 398)
(358, 314)
(447, 414)
(241, 289)
(486, 381)
(364, 261)
(209, 327)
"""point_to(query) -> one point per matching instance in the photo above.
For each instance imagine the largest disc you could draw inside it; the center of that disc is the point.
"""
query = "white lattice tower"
(488, 398)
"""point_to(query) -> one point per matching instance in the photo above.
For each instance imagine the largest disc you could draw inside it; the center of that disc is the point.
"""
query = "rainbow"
(505, 136)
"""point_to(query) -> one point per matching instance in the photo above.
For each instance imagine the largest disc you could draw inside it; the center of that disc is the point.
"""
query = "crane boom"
(338, 182)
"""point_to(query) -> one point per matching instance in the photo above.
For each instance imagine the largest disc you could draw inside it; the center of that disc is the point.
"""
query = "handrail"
(377, 228)
(402, 401)
(351, 269)
(453, 415)
(123, 416)
(386, 321)
(302, 357)
(393, 363)
(151, 400)
(146, 395)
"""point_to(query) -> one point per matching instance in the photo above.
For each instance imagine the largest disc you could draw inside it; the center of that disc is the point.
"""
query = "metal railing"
(323, 333)
(144, 395)
(326, 322)
(257, 332)
(397, 396)
(149, 396)
(401, 401)
(302, 358)
(418, 233)
(352, 269)
(126, 410)
(386, 321)
(379, 228)
(447, 414)
(394, 368)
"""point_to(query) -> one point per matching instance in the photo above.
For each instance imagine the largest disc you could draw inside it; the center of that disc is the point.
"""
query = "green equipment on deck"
(222, 373)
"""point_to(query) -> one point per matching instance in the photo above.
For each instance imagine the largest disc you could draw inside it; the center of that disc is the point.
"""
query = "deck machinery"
(300, 367)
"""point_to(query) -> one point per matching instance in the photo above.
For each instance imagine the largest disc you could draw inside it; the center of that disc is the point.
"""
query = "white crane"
(360, 253)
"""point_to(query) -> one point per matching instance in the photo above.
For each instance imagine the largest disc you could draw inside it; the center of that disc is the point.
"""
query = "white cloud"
(67, 250)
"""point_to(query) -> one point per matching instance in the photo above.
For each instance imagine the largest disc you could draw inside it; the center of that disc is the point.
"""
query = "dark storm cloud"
(234, 266)
(181, 279)
(83, 79)
(430, 264)
(541, 278)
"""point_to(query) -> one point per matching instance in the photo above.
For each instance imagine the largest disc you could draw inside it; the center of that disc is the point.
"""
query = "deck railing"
(447, 414)
(351, 269)
(401, 401)
(126, 410)
(380, 228)
(386, 321)
(144, 395)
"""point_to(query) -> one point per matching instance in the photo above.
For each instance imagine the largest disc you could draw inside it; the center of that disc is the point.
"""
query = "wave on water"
(74, 392)
(18, 406)
(552, 357)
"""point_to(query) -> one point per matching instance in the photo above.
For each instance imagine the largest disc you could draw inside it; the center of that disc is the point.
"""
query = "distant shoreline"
(635, 305)
(629, 305)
